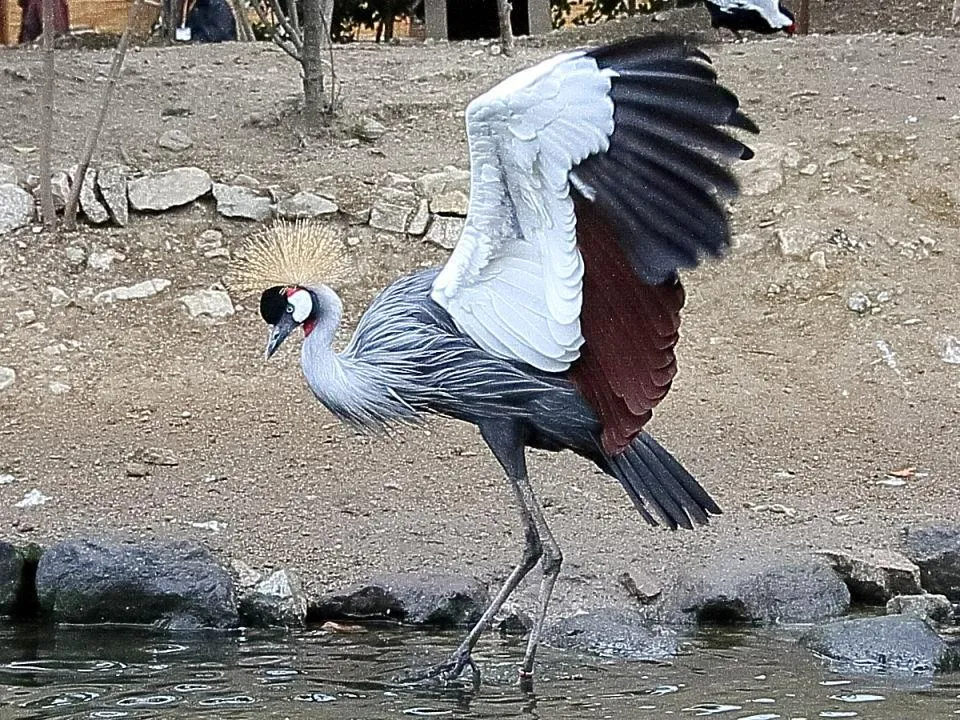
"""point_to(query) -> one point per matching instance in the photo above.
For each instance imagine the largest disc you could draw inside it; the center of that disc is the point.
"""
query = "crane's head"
(295, 262)
(286, 309)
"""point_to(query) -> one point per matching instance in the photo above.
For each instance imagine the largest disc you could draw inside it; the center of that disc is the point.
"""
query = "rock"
(173, 583)
(887, 644)
(393, 209)
(112, 184)
(242, 202)
(95, 211)
(209, 240)
(8, 377)
(512, 620)
(175, 141)
(747, 243)
(75, 255)
(640, 585)
(948, 347)
(761, 589)
(9, 175)
(213, 303)
(26, 317)
(60, 185)
(246, 577)
(11, 577)
(421, 216)
(797, 242)
(763, 174)
(168, 189)
(141, 290)
(16, 208)
(59, 388)
(818, 259)
(246, 181)
(399, 181)
(445, 231)
(859, 302)
(936, 550)
(57, 296)
(277, 600)
(417, 598)
(933, 608)
(448, 192)
(136, 469)
(102, 259)
(610, 632)
(875, 576)
(369, 130)
(304, 206)
(33, 498)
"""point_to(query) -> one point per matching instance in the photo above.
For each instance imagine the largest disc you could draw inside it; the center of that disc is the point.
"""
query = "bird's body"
(407, 359)
(760, 16)
(595, 176)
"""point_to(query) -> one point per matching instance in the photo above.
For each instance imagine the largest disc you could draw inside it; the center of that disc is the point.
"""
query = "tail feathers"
(660, 487)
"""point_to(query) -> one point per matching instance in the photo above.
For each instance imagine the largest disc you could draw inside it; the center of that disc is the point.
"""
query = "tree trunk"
(317, 16)
(803, 17)
(955, 19)
(504, 8)
(93, 135)
(47, 208)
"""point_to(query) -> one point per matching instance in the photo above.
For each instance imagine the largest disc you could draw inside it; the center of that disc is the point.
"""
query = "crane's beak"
(279, 332)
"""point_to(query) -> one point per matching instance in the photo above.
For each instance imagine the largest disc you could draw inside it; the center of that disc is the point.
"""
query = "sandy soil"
(785, 407)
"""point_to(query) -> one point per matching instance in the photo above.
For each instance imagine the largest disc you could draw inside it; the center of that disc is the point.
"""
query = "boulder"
(610, 632)
(447, 192)
(421, 217)
(112, 184)
(875, 576)
(139, 291)
(175, 140)
(173, 583)
(278, 600)
(94, 210)
(165, 190)
(305, 206)
(16, 208)
(242, 202)
(417, 598)
(8, 376)
(933, 608)
(886, 644)
(9, 175)
(212, 303)
(936, 550)
(393, 209)
(445, 232)
(763, 174)
(11, 577)
(369, 130)
(764, 589)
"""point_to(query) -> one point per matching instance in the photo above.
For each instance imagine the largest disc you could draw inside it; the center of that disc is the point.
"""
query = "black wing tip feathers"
(639, 49)
(661, 488)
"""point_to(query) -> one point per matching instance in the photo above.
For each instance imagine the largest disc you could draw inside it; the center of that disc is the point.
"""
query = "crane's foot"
(446, 673)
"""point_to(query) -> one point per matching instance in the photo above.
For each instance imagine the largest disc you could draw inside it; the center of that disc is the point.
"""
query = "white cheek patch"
(302, 304)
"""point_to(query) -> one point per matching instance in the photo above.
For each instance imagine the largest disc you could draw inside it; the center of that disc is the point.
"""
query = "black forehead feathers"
(273, 304)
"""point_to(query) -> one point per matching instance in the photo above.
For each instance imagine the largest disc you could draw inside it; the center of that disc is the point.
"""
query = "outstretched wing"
(514, 280)
(594, 177)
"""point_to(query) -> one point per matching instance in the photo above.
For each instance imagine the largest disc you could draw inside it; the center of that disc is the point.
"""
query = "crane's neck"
(350, 386)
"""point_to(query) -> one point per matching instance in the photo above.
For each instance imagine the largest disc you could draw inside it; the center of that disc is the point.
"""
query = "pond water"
(62, 672)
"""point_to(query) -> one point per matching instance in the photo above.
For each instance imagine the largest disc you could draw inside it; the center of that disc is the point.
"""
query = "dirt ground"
(785, 406)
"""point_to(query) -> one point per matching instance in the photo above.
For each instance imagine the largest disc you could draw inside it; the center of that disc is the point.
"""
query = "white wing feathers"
(514, 281)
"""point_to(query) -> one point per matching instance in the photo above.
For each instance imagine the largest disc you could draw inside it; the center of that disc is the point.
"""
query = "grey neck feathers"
(353, 389)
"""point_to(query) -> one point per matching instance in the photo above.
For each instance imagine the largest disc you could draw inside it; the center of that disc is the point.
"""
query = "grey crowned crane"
(595, 176)
(760, 16)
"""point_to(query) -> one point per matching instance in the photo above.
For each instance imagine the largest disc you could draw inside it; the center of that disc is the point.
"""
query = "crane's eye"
(300, 305)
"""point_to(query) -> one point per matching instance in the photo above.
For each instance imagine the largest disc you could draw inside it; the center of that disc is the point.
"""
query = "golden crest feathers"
(300, 253)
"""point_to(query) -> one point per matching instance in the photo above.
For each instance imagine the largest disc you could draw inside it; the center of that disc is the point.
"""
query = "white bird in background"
(595, 176)
(760, 16)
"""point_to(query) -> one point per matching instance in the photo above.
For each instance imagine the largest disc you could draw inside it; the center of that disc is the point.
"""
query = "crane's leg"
(505, 440)
(551, 562)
